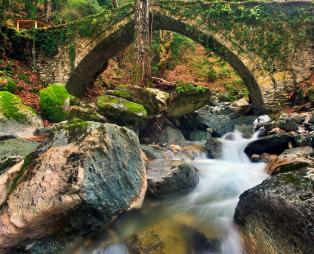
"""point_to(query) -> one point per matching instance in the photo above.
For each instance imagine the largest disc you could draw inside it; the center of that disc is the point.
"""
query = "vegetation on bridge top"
(270, 30)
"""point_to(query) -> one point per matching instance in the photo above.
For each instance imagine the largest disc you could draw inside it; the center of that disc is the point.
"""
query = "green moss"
(121, 109)
(7, 84)
(11, 107)
(122, 92)
(189, 88)
(53, 102)
(76, 128)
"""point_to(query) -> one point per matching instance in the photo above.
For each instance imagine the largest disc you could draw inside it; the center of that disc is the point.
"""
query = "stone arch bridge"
(269, 44)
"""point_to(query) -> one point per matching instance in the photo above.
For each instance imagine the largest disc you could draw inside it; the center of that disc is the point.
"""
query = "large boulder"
(167, 177)
(16, 118)
(274, 144)
(186, 101)
(154, 100)
(55, 102)
(83, 175)
(277, 215)
(121, 110)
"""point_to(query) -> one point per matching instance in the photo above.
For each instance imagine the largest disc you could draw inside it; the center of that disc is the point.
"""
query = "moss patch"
(121, 109)
(11, 107)
(54, 102)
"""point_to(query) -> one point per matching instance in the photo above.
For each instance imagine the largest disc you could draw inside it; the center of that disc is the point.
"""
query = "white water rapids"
(211, 203)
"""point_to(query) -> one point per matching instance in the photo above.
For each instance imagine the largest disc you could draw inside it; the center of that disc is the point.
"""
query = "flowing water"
(200, 222)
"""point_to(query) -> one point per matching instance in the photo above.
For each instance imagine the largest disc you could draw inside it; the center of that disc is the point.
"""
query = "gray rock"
(198, 135)
(207, 118)
(17, 147)
(214, 148)
(170, 177)
(171, 136)
(277, 215)
(288, 125)
(153, 152)
(82, 176)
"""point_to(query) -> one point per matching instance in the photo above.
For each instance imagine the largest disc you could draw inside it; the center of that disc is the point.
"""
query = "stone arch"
(96, 60)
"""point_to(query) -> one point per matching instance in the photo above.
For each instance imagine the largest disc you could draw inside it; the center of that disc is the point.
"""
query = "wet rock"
(82, 176)
(185, 103)
(170, 177)
(121, 110)
(274, 144)
(154, 152)
(214, 148)
(165, 236)
(198, 135)
(171, 136)
(206, 118)
(16, 119)
(277, 215)
(261, 121)
(201, 244)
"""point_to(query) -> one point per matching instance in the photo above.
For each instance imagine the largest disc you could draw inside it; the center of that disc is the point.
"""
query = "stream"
(200, 222)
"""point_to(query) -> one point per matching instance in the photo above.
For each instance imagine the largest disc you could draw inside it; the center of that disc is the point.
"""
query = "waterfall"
(221, 183)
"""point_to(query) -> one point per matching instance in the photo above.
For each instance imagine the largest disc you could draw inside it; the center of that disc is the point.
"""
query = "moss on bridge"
(49, 40)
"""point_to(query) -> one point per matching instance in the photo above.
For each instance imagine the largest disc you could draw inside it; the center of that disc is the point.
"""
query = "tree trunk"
(48, 10)
(115, 3)
(142, 57)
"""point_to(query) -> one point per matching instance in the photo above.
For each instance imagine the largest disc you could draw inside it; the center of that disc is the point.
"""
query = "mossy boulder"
(55, 102)
(15, 117)
(154, 100)
(120, 109)
(185, 102)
